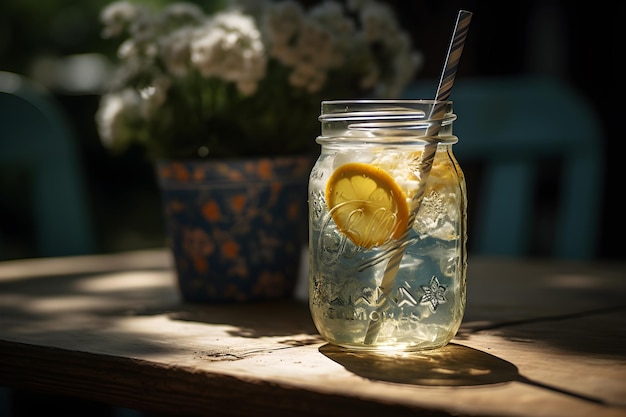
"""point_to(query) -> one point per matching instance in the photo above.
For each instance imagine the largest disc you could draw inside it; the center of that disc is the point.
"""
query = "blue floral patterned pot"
(236, 227)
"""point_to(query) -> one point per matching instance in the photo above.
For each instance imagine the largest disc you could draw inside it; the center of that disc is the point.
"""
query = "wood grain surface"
(539, 338)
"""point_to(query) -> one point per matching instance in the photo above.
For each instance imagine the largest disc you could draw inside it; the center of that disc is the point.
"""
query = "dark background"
(556, 38)
(579, 45)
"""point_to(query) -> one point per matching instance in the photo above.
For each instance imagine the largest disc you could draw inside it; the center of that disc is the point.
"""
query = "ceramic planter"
(235, 227)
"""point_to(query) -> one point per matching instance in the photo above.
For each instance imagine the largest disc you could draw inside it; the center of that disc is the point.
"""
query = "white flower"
(175, 50)
(154, 95)
(182, 13)
(282, 23)
(117, 16)
(307, 76)
(311, 44)
(144, 28)
(340, 29)
(378, 21)
(115, 116)
(230, 47)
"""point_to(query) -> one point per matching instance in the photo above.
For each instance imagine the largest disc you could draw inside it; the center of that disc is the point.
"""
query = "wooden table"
(540, 338)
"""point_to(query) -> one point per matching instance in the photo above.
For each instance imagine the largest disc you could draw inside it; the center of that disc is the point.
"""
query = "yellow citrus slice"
(367, 204)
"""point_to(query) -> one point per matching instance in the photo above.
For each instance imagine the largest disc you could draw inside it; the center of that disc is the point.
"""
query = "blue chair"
(36, 138)
(515, 127)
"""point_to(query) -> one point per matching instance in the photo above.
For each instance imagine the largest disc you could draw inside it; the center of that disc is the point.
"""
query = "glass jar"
(387, 250)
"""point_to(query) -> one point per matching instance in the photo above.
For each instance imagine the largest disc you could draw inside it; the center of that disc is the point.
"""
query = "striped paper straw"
(425, 162)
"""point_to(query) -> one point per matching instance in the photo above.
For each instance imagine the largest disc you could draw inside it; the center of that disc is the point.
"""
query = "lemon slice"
(367, 204)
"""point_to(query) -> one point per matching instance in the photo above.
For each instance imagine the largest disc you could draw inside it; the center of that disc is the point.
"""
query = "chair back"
(38, 144)
(537, 147)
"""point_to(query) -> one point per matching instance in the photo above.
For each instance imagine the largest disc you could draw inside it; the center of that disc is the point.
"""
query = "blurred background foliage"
(58, 43)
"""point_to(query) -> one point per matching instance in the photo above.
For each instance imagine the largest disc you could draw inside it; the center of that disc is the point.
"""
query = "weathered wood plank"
(539, 338)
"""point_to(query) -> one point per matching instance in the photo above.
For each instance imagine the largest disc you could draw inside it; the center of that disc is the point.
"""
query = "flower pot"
(236, 228)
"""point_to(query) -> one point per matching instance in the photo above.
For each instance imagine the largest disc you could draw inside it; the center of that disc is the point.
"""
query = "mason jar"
(387, 226)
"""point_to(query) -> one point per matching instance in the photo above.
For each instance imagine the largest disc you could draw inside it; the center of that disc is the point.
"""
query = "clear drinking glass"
(366, 210)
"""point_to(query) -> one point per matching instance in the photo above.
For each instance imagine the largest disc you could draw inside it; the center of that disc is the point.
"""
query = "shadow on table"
(452, 365)
(588, 332)
(253, 320)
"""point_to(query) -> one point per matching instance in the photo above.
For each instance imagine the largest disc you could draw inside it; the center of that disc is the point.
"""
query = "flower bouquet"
(246, 78)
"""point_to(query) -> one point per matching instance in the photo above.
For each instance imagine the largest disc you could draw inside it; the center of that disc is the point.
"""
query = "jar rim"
(388, 109)
(383, 100)
(387, 119)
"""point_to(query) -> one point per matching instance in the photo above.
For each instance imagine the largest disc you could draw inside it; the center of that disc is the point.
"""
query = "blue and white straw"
(425, 162)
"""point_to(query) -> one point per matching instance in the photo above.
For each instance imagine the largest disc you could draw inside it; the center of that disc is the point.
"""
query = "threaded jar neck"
(386, 121)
